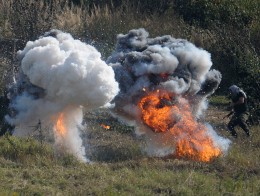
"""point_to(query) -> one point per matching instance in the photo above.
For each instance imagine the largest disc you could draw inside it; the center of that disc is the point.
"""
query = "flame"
(105, 126)
(165, 112)
(59, 126)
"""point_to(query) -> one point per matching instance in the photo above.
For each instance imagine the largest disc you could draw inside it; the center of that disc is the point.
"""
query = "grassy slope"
(120, 168)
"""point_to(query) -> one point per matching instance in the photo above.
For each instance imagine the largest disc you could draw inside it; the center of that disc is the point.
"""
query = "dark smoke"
(145, 64)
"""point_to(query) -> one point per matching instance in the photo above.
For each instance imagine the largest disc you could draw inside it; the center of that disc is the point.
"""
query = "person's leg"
(242, 123)
(231, 126)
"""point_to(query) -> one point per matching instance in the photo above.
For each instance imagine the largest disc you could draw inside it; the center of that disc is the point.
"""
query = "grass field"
(119, 167)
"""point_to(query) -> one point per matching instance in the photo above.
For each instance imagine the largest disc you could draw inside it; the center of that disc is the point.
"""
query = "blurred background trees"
(228, 29)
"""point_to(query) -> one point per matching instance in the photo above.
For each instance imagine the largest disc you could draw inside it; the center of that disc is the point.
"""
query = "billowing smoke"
(177, 73)
(59, 76)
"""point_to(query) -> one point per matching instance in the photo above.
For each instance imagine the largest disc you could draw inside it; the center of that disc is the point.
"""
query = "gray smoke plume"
(143, 64)
(58, 76)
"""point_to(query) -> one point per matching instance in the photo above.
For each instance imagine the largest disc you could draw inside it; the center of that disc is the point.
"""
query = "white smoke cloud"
(59, 72)
(68, 70)
(161, 61)
(177, 85)
(197, 59)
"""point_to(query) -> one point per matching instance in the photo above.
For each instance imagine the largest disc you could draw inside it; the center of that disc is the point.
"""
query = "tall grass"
(99, 26)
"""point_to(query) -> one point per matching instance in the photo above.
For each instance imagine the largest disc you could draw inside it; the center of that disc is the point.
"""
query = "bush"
(250, 72)
(206, 12)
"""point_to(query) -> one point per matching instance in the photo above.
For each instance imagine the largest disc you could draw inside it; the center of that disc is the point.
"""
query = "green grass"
(28, 167)
(219, 101)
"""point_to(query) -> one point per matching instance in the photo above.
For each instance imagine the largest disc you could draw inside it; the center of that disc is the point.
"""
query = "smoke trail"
(58, 75)
(164, 64)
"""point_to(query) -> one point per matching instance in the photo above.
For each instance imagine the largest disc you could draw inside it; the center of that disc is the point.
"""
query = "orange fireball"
(59, 126)
(164, 112)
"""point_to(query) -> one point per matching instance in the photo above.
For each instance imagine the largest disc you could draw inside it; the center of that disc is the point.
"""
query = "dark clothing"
(240, 108)
(238, 120)
(240, 115)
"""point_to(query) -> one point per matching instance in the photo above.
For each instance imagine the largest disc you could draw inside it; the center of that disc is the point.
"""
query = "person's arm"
(229, 114)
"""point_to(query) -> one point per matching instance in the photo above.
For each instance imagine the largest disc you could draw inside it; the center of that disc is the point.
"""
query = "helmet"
(234, 90)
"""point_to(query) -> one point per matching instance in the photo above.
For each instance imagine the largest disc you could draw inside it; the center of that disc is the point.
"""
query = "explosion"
(58, 77)
(162, 113)
(164, 84)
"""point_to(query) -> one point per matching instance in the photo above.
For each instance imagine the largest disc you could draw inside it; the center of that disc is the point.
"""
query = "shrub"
(206, 12)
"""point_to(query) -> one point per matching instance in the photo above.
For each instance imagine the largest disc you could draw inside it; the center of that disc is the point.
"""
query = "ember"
(105, 126)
